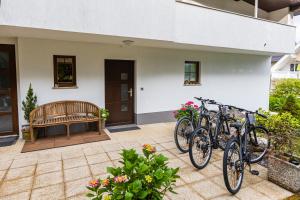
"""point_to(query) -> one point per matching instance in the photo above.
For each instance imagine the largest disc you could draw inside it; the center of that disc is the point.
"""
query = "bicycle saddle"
(237, 125)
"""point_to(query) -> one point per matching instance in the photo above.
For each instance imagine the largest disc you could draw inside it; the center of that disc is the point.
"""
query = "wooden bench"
(63, 113)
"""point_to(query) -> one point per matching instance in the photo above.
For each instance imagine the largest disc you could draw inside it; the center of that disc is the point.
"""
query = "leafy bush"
(187, 110)
(283, 128)
(140, 177)
(276, 103)
(287, 87)
(30, 103)
(292, 105)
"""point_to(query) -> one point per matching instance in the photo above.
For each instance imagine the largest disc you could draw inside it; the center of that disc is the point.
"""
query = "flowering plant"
(140, 177)
(187, 110)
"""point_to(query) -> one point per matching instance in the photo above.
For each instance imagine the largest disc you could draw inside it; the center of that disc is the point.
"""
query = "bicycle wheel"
(184, 128)
(224, 136)
(233, 169)
(259, 143)
(200, 148)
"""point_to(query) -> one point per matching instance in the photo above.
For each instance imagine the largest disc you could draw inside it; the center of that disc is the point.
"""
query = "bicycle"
(204, 139)
(185, 126)
(239, 150)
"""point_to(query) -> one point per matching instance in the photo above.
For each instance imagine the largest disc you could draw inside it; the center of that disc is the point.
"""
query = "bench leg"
(99, 127)
(68, 130)
(32, 134)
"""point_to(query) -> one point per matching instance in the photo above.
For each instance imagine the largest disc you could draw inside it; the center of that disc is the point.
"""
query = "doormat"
(123, 128)
(7, 141)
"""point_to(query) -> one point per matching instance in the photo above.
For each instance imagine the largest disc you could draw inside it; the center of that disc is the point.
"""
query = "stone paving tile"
(43, 168)
(168, 145)
(16, 186)
(177, 163)
(250, 194)
(74, 162)
(49, 157)
(271, 190)
(2, 174)
(97, 158)
(112, 147)
(77, 187)
(185, 193)
(23, 162)
(226, 197)
(48, 179)
(177, 152)
(5, 164)
(72, 154)
(48, 193)
(76, 173)
(78, 197)
(190, 175)
(18, 196)
(250, 179)
(114, 155)
(168, 154)
(100, 168)
(20, 172)
(208, 189)
(92, 150)
(210, 171)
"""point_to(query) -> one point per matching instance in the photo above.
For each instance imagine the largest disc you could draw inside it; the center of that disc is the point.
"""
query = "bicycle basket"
(251, 119)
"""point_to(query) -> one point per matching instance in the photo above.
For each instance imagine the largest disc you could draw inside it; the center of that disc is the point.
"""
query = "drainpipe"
(256, 9)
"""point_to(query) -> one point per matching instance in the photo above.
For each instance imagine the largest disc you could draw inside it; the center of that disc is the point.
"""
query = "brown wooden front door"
(8, 91)
(119, 91)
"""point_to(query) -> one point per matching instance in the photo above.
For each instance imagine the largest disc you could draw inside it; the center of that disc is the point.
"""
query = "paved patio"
(62, 173)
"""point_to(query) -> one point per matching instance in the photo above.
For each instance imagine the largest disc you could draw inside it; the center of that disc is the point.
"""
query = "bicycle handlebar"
(248, 111)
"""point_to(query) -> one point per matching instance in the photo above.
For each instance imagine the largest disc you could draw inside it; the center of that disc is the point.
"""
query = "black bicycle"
(215, 135)
(249, 146)
(185, 126)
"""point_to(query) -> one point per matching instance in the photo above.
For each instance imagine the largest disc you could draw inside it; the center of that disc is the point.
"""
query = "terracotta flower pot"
(284, 173)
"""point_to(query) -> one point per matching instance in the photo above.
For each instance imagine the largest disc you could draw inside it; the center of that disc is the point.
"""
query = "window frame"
(72, 84)
(198, 73)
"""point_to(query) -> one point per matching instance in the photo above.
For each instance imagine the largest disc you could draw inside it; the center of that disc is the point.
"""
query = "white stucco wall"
(242, 80)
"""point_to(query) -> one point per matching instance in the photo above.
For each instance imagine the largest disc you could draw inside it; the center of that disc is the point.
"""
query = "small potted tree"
(27, 106)
(283, 162)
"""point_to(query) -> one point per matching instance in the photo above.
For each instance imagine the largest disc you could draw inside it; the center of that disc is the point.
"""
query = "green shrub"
(140, 177)
(283, 128)
(276, 103)
(291, 105)
(287, 87)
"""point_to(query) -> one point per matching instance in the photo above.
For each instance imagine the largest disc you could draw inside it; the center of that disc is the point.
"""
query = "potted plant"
(186, 110)
(104, 114)
(141, 177)
(27, 106)
(283, 162)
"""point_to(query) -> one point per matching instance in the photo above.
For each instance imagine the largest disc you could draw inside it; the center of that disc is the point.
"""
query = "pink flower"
(183, 109)
(195, 106)
(189, 103)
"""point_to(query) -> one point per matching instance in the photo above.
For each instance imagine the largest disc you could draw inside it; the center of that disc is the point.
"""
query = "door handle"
(130, 92)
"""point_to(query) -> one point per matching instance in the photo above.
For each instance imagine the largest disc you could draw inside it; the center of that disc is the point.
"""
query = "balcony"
(155, 23)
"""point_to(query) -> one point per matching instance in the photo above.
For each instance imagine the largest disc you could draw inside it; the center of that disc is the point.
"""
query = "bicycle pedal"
(254, 172)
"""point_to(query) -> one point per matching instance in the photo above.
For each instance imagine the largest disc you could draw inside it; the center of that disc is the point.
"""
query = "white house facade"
(140, 59)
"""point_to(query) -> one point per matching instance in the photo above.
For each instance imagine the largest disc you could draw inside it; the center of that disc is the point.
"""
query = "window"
(64, 71)
(191, 72)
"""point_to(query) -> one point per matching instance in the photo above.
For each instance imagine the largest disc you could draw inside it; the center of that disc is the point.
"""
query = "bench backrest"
(63, 108)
